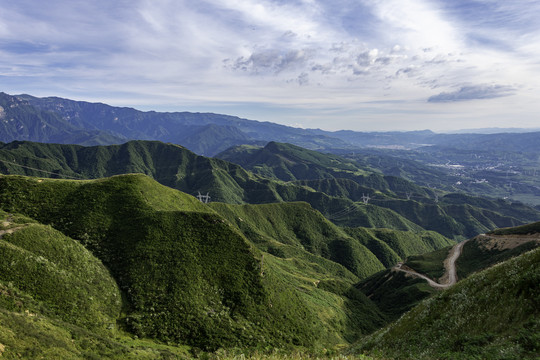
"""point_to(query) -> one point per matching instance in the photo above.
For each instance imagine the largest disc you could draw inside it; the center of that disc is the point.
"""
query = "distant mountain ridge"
(21, 121)
(208, 134)
(203, 133)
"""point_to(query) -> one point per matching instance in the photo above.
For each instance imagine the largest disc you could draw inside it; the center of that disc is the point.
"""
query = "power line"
(44, 171)
(343, 212)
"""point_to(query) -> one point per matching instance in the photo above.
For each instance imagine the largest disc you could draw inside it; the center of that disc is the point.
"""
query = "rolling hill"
(181, 271)
(185, 274)
(88, 263)
(394, 203)
(447, 213)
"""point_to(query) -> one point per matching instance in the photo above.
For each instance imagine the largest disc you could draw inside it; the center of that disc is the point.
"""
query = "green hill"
(179, 168)
(58, 301)
(171, 165)
(124, 256)
(186, 274)
(493, 314)
(392, 246)
(336, 190)
(59, 272)
(395, 293)
(290, 162)
(297, 225)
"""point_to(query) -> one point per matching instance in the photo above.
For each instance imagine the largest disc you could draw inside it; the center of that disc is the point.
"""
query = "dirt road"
(6, 224)
(450, 275)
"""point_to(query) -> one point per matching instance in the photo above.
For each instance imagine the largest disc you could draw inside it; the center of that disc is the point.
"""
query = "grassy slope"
(430, 264)
(394, 292)
(62, 274)
(493, 314)
(300, 226)
(58, 301)
(189, 275)
(299, 245)
(31, 335)
(336, 183)
(291, 233)
(392, 246)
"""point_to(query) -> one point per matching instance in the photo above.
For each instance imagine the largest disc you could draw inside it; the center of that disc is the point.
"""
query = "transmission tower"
(365, 199)
(203, 198)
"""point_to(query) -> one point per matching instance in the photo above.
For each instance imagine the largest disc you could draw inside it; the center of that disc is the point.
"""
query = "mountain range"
(53, 119)
(494, 164)
(120, 239)
(279, 172)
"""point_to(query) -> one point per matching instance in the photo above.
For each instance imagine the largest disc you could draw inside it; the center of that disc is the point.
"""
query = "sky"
(365, 65)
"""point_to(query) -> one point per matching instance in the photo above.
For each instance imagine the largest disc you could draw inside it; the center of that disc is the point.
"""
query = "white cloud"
(358, 60)
(473, 92)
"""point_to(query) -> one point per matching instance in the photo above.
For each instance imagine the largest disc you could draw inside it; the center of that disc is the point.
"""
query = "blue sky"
(340, 64)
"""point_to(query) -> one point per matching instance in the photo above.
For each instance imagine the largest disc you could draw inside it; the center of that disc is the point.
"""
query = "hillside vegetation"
(299, 226)
(187, 275)
(493, 314)
(331, 185)
(59, 272)
(207, 276)
(57, 300)
(395, 293)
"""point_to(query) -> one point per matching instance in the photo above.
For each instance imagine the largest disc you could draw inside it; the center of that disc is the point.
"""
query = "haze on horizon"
(345, 64)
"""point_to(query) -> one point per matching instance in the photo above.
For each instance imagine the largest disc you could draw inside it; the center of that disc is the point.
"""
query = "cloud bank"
(476, 92)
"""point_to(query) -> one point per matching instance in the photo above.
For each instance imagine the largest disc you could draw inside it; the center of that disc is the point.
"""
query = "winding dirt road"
(450, 275)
